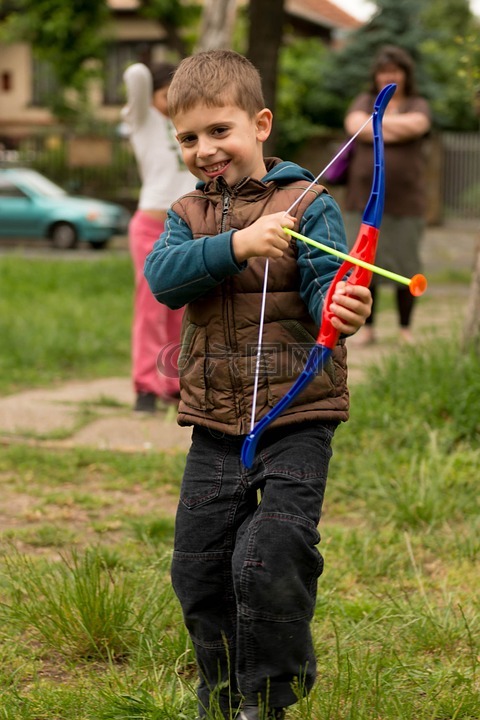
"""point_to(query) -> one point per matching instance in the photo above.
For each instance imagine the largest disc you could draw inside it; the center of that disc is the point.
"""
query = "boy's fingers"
(350, 303)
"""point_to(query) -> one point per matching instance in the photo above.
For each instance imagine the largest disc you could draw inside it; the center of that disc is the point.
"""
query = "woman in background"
(405, 125)
(164, 178)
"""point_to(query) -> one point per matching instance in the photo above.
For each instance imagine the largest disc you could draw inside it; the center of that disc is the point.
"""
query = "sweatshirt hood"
(284, 172)
(280, 172)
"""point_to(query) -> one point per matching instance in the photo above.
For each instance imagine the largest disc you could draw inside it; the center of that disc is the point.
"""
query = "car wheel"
(64, 236)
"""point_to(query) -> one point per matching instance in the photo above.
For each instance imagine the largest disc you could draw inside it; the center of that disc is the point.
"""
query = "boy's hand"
(263, 238)
(351, 305)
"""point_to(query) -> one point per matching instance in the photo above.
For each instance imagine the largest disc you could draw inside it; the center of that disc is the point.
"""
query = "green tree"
(323, 81)
(433, 32)
(304, 102)
(446, 18)
(317, 84)
(393, 23)
(451, 56)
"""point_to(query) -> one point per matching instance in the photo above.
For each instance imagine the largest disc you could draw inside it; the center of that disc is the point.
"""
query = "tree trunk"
(471, 329)
(217, 24)
(266, 18)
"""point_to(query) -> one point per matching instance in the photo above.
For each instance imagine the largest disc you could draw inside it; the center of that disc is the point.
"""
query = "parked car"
(32, 206)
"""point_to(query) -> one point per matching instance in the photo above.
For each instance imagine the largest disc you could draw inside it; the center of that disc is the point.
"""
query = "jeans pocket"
(202, 479)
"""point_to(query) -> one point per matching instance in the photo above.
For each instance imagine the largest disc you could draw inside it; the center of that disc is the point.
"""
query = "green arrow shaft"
(355, 261)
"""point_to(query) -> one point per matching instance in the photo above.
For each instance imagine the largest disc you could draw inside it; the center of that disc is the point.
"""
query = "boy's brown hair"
(216, 78)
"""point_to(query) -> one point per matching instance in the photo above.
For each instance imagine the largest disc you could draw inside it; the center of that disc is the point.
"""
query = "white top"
(152, 135)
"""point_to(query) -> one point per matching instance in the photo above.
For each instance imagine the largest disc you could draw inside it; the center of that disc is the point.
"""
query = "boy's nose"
(205, 147)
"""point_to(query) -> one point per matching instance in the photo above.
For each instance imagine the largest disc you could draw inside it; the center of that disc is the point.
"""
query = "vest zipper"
(227, 283)
(225, 207)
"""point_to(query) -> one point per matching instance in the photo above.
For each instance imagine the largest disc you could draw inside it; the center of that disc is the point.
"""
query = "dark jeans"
(246, 571)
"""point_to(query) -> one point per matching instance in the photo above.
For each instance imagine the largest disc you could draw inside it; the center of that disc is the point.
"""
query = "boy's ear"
(263, 122)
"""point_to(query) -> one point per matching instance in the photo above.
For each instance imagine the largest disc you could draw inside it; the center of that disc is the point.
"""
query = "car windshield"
(42, 186)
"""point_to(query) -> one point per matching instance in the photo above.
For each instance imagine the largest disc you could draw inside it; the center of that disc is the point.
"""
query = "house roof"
(318, 12)
(322, 12)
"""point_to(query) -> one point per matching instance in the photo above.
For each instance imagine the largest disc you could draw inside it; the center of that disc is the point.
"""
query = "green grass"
(63, 319)
(89, 625)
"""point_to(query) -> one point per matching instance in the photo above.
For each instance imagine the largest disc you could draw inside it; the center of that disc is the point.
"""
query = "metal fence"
(454, 171)
(461, 175)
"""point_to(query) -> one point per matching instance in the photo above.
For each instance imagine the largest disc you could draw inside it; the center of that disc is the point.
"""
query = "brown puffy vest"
(220, 329)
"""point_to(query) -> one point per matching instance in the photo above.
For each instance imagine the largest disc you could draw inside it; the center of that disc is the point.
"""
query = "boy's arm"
(180, 269)
(321, 221)
(352, 304)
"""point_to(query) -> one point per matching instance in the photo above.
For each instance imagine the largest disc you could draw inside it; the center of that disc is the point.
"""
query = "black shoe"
(146, 402)
(253, 712)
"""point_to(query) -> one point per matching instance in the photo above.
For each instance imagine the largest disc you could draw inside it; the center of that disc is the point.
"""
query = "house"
(25, 82)
(320, 18)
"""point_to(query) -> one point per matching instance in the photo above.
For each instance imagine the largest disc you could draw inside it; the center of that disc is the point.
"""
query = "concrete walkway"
(98, 413)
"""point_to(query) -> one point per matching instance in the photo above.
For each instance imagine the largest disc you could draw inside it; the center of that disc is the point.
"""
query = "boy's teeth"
(215, 168)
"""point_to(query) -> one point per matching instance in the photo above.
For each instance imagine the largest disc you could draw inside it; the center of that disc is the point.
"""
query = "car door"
(19, 213)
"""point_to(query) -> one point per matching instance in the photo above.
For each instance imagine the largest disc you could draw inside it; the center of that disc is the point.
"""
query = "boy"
(245, 571)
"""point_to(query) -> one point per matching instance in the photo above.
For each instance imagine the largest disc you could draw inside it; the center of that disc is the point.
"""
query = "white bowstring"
(265, 276)
(259, 346)
(327, 167)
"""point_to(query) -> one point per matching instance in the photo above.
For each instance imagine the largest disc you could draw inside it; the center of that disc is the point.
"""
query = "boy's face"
(223, 141)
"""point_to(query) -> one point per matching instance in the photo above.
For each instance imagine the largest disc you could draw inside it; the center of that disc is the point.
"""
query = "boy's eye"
(187, 140)
(220, 130)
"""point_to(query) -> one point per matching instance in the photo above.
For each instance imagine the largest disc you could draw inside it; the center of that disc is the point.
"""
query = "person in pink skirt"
(164, 178)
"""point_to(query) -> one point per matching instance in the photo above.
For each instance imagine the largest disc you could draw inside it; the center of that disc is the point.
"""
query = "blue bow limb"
(365, 248)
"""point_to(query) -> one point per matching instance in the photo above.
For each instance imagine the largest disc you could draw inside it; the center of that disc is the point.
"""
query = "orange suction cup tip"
(418, 285)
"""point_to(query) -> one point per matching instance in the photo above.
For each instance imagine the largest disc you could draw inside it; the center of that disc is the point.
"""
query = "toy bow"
(365, 248)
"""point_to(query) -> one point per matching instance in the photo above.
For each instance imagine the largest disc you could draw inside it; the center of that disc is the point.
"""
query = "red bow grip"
(365, 248)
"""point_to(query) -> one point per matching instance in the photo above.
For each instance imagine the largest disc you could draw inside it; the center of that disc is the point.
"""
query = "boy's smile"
(223, 141)
(214, 170)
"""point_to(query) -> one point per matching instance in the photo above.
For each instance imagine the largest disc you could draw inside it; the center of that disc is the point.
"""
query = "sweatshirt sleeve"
(181, 269)
(322, 221)
(139, 88)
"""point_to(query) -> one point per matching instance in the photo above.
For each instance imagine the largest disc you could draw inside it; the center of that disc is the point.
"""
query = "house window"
(119, 56)
(6, 81)
(44, 83)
